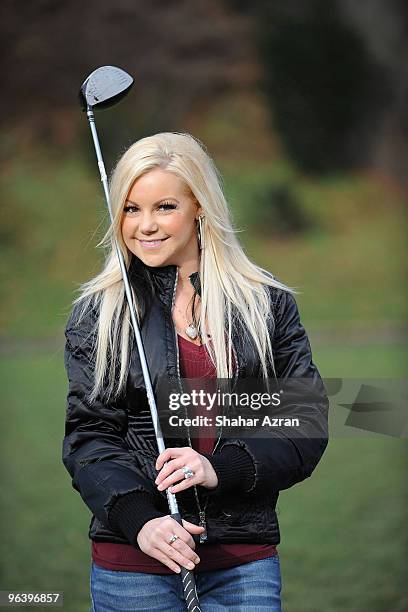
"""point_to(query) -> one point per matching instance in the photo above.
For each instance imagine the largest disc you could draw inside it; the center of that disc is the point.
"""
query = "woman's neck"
(184, 272)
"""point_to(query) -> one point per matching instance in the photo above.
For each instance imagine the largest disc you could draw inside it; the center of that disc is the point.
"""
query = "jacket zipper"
(201, 512)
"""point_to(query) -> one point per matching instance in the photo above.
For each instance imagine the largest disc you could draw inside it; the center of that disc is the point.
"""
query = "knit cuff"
(234, 468)
(131, 512)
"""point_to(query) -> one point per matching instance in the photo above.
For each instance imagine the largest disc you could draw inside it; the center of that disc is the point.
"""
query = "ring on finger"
(173, 538)
(188, 472)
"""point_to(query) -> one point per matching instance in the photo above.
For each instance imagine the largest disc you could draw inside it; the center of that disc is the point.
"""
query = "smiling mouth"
(151, 244)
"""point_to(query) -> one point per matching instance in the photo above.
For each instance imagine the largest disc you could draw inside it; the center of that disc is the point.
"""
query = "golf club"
(104, 87)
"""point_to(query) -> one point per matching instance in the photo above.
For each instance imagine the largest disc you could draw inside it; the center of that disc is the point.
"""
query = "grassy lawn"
(343, 545)
(343, 531)
(348, 266)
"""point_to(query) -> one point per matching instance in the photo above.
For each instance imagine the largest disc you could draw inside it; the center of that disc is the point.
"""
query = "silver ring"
(188, 472)
(173, 538)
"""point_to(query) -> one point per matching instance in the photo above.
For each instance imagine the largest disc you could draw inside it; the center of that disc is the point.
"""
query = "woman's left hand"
(172, 472)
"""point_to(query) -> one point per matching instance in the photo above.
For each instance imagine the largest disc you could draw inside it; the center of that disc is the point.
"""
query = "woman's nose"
(148, 224)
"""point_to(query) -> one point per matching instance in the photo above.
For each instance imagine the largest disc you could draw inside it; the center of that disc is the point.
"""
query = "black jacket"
(110, 449)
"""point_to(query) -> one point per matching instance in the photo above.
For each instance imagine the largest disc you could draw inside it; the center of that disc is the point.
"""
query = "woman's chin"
(154, 260)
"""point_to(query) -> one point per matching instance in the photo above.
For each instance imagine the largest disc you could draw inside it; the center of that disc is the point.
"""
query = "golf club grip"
(188, 580)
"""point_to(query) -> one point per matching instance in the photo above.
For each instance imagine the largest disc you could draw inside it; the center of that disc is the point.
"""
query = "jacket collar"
(160, 280)
(196, 282)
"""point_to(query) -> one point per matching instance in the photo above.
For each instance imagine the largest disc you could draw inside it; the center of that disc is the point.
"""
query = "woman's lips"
(152, 244)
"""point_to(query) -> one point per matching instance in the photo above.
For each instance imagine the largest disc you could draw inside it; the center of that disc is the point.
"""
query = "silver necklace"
(192, 331)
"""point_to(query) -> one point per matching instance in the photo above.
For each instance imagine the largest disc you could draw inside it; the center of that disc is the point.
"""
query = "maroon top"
(194, 363)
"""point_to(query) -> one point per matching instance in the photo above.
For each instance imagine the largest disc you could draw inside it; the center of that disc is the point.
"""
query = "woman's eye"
(167, 206)
(164, 206)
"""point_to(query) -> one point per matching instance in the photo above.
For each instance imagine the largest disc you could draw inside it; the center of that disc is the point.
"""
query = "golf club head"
(104, 87)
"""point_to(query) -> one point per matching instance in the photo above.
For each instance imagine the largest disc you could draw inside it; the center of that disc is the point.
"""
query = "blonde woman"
(205, 311)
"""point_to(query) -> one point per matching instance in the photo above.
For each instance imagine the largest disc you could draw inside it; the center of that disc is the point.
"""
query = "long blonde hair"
(232, 287)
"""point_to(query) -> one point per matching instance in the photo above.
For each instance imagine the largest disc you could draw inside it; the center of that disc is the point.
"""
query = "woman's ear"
(199, 210)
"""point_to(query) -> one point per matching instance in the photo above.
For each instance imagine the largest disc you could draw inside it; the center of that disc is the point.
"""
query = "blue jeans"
(249, 587)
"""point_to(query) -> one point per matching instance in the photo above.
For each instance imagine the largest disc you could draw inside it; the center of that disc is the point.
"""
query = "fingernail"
(160, 487)
(190, 565)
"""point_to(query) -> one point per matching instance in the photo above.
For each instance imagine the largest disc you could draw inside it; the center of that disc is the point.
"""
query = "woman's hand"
(153, 539)
(172, 472)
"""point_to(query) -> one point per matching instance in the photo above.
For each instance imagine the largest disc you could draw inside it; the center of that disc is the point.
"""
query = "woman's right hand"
(153, 539)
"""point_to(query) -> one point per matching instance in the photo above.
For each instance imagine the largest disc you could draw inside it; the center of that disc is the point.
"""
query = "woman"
(205, 311)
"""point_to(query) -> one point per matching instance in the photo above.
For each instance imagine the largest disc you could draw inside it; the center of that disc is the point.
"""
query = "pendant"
(191, 331)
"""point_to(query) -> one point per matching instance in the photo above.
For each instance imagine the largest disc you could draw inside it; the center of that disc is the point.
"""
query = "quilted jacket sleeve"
(280, 460)
(95, 454)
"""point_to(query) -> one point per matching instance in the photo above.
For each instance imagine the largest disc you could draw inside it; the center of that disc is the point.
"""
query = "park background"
(303, 107)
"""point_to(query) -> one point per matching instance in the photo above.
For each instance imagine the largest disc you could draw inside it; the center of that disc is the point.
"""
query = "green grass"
(350, 264)
(43, 544)
(344, 538)
(361, 361)
(343, 530)
(54, 217)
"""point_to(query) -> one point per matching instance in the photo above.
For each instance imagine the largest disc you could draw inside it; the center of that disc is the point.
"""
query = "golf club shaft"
(187, 576)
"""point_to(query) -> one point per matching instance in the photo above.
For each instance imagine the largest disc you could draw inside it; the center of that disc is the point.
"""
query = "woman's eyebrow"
(154, 204)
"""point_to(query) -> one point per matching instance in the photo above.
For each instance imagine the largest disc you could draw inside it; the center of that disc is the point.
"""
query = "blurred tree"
(331, 70)
(179, 53)
(279, 212)
(383, 24)
(336, 85)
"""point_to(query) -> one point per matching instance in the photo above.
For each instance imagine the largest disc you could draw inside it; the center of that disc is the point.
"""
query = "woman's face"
(158, 224)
